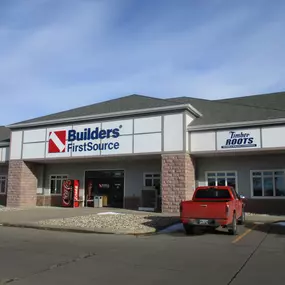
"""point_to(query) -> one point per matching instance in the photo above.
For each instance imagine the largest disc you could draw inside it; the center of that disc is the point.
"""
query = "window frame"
(222, 171)
(262, 182)
(66, 176)
(6, 183)
(152, 178)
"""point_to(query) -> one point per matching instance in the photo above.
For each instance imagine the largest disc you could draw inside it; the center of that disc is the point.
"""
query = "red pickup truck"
(213, 206)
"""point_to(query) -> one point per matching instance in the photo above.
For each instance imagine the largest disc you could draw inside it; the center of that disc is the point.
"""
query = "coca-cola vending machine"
(70, 193)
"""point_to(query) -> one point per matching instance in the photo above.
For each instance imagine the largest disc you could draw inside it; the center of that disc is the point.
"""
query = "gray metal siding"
(242, 164)
(133, 172)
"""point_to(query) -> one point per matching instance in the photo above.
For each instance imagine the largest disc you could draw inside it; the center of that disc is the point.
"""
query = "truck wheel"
(241, 220)
(233, 227)
(188, 229)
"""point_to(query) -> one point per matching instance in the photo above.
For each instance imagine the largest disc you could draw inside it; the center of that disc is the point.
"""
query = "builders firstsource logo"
(87, 140)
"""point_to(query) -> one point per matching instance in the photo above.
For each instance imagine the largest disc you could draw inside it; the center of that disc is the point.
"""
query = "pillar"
(22, 184)
(178, 181)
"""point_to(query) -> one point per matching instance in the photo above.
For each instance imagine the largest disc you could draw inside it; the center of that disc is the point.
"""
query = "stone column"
(178, 181)
(22, 184)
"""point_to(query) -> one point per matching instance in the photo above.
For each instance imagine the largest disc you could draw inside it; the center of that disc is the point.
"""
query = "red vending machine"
(70, 193)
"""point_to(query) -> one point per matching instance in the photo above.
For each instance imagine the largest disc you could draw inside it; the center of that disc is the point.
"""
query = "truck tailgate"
(204, 210)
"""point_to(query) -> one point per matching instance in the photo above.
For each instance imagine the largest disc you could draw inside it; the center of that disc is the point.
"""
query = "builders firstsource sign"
(89, 140)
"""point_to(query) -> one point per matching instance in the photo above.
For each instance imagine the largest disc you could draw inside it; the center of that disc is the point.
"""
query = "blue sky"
(56, 55)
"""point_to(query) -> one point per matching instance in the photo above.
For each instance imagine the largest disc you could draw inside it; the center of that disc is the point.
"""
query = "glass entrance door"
(109, 184)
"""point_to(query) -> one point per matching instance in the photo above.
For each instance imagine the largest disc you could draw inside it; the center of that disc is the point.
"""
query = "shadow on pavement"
(161, 222)
(172, 226)
(277, 228)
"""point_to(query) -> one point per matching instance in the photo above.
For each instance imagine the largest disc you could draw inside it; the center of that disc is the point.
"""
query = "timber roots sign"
(88, 140)
(239, 140)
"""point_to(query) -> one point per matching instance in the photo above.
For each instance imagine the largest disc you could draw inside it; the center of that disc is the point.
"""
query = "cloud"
(59, 56)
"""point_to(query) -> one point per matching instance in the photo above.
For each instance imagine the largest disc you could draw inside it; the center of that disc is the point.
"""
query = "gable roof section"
(235, 112)
(273, 101)
(226, 113)
(4, 135)
(116, 106)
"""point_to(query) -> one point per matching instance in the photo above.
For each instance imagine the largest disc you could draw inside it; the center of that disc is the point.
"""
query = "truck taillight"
(227, 209)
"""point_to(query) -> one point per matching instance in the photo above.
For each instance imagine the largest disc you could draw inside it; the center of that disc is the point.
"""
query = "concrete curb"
(76, 229)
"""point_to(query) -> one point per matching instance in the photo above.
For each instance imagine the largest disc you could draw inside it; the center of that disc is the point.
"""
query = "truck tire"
(233, 227)
(241, 220)
(189, 230)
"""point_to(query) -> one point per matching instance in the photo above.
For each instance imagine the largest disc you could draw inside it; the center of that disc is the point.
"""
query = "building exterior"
(4, 158)
(149, 153)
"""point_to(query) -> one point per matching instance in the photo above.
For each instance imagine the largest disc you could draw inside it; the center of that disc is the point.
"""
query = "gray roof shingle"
(4, 134)
(274, 101)
(127, 103)
(228, 111)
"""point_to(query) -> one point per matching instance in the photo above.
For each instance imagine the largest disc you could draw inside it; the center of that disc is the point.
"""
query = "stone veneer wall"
(178, 181)
(22, 184)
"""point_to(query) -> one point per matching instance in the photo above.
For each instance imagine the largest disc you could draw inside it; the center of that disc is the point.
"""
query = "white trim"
(236, 124)
(106, 169)
(189, 107)
(222, 171)
(262, 183)
(6, 183)
(56, 194)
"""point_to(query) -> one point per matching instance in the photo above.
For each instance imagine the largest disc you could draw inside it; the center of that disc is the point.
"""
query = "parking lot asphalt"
(256, 256)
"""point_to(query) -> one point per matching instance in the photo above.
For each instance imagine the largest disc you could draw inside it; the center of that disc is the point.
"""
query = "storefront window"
(3, 184)
(56, 183)
(268, 183)
(222, 179)
(257, 186)
(152, 179)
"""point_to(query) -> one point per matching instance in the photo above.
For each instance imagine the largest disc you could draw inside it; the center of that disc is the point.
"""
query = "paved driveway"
(42, 257)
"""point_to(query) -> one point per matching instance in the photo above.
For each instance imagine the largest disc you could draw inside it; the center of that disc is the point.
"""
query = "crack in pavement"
(52, 267)
(249, 257)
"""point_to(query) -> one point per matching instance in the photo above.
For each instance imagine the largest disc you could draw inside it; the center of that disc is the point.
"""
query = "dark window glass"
(156, 182)
(58, 186)
(3, 185)
(221, 181)
(212, 193)
(231, 182)
(52, 186)
(148, 182)
(268, 186)
(211, 182)
(280, 186)
(257, 186)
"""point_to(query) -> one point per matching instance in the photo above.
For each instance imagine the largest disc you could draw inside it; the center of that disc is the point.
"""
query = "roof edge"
(3, 144)
(236, 124)
(189, 107)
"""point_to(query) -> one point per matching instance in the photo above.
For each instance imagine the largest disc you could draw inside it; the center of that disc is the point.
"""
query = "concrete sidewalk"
(32, 218)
